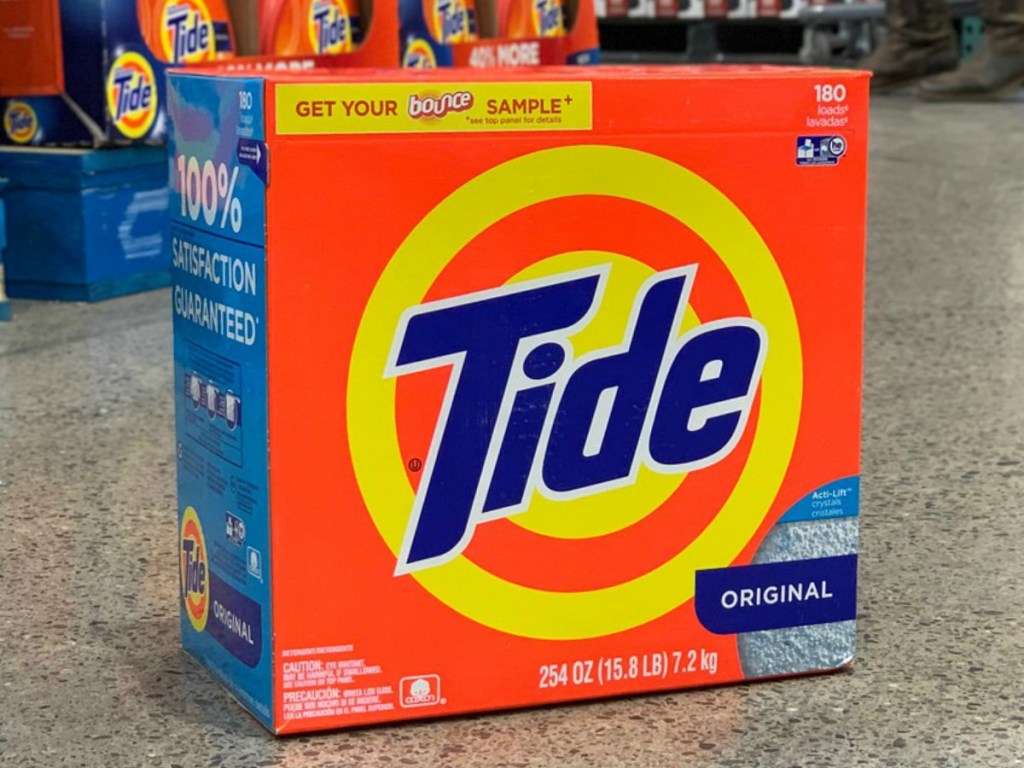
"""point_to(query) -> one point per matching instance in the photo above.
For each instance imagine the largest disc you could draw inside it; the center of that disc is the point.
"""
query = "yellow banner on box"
(352, 108)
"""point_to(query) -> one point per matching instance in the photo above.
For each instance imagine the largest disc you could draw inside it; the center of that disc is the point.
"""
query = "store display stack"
(81, 99)
(84, 107)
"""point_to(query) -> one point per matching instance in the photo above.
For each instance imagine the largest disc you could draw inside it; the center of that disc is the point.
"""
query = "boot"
(921, 42)
(996, 69)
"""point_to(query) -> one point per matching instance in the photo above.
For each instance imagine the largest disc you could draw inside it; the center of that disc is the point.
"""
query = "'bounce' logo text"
(186, 32)
(20, 122)
(330, 27)
(195, 571)
(132, 95)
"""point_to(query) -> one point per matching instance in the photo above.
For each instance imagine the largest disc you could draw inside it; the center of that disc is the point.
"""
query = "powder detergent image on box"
(566, 406)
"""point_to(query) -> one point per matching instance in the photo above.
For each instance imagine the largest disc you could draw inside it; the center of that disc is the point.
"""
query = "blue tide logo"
(330, 27)
(419, 55)
(521, 415)
(450, 21)
(454, 24)
(132, 98)
(187, 32)
(20, 122)
(549, 18)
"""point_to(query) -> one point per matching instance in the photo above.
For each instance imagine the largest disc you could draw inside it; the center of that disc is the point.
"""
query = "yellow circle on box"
(541, 176)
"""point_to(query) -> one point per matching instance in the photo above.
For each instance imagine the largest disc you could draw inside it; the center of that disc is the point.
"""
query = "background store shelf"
(834, 34)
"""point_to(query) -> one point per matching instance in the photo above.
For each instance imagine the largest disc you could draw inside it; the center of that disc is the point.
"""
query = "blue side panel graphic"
(796, 593)
(243, 634)
(218, 260)
(228, 135)
(837, 499)
(819, 150)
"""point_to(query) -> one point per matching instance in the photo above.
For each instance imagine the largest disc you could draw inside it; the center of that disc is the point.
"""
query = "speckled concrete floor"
(91, 674)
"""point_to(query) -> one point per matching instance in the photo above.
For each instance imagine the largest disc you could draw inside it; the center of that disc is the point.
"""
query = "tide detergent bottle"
(532, 18)
(186, 31)
(309, 27)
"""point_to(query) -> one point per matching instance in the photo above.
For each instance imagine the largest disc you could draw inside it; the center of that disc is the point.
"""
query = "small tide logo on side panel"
(195, 571)
(132, 95)
(20, 122)
(186, 32)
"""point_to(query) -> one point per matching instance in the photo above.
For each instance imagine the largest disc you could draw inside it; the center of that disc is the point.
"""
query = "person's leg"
(997, 67)
(921, 42)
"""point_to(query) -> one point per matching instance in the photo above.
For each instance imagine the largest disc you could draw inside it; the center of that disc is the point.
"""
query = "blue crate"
(85, 225)
(5, 305)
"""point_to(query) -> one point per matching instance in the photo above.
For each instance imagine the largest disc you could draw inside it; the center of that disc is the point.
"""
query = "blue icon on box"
(254, 563)
(234, 529)
(819, 150)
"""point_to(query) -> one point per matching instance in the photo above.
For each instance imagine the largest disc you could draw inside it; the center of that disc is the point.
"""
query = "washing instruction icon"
(231, 410)
(219, 404)
(819, 150)
(234, 530)
(254, 563)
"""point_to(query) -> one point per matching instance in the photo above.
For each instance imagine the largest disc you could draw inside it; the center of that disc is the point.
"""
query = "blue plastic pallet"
(85, 225)
(5, 305)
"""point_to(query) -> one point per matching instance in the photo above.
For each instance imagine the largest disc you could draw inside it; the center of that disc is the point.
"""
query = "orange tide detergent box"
(317, 27)
(531, 18)
(497, 33)
(497, 389)
(184, 32)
